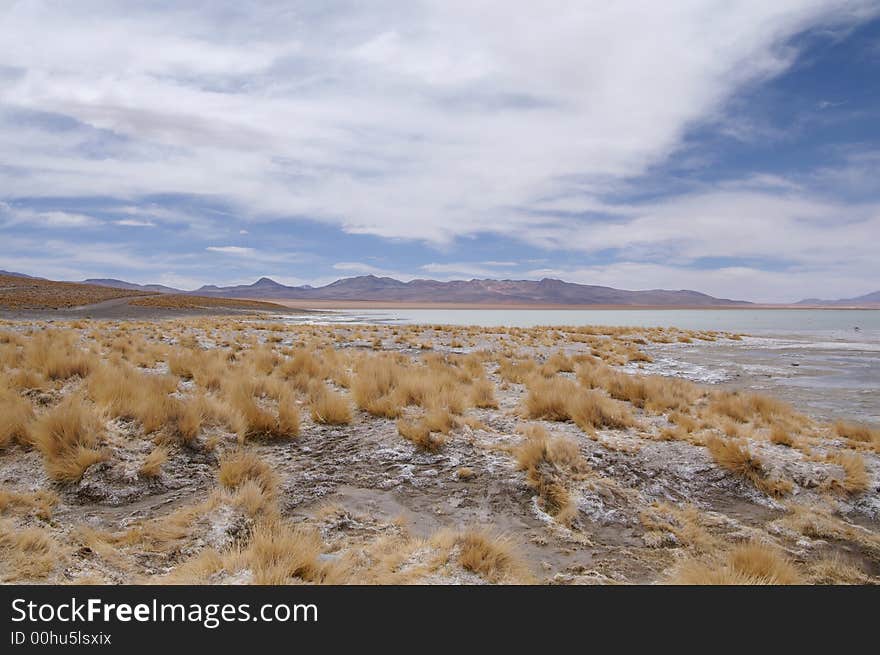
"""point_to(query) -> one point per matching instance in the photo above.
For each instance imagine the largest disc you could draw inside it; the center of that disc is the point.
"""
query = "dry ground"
(32, 293)
(22, 297)
(238, 450)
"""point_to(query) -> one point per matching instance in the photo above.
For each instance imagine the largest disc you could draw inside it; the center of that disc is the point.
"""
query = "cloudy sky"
(731, 147)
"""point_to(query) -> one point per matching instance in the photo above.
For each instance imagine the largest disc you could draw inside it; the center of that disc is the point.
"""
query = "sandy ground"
(123, 309)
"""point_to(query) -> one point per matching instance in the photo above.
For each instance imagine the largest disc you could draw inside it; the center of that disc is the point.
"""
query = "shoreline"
(379, 304)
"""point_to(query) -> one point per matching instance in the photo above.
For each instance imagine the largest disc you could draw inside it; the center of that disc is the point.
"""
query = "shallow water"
(730, 320)
(826, 362)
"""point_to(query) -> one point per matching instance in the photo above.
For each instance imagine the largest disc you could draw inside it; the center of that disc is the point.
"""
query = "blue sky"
(727, 147)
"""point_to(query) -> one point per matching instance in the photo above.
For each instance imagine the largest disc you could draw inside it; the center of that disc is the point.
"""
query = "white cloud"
(424, 122)
(473, 269)
(132, 222)
(238, 251)
(12, 216)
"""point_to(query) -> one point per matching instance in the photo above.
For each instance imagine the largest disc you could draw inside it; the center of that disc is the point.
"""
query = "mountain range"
(859, 301)
(547, 291)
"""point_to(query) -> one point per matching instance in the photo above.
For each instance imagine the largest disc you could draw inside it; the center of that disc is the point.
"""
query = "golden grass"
(280, 554)
(374, 387)
(548, 399)
(16, 414)
(855, 475)
(734, 455)
(560, 399)
(419, 433)
(56, 355)
(251, 378)
(782, 437)
(550, 465)
(328, 407)
(747, 564)
(251, 419)
(743, 407)
(483, 395)
(490, 556)
(591, 409)
(27, 553)
(68, 436)
(241, 466)
(152, 465)
(516, 370)
(857, 432)
(465, 473)
(39, 502)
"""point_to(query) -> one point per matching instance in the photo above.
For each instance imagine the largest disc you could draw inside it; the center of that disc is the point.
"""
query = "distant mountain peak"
(267, 282)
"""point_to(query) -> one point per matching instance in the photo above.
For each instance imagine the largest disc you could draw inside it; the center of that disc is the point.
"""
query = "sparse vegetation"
(610, 463)
(734, 455)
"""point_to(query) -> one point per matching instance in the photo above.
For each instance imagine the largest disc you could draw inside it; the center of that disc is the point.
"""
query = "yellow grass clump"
(16, 414)
(734, 455)
(550, 465)
(483, 395)
(490, 556)
(855, 475)
(420, 434)
(152, 465)
(241, 466)
(747, 564)
(280, 554)
(329, 407)
(68, 436)
(251, 419)
(857, 432)
(559, 399)
(27, 552)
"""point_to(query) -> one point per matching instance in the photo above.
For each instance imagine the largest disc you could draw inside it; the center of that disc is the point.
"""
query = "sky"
(732, 147)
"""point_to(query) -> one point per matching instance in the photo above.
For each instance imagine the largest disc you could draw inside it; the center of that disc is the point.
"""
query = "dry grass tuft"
(592, 409)
(548, 399)
(375, 386)
(27, 553)
(781, 436)
(67, 436)
(251, 419)
(329, 407)
(152, 466)
(748, 564)
(419, 433)
(516, 370)
(855, 475)
(550, 464)
(857, 432)
(492, 557)
(483, 394)
(734, 455)
(281, 554)
(465, 473)
(39, 502)
(560, 399)
(240, 467)
(16, 414)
